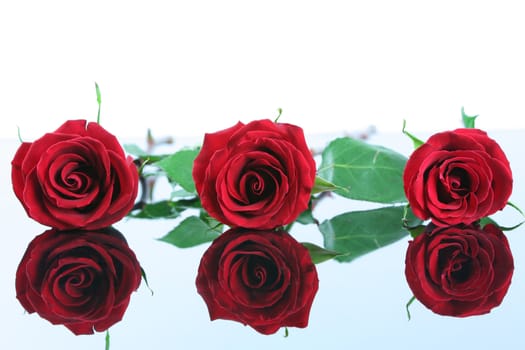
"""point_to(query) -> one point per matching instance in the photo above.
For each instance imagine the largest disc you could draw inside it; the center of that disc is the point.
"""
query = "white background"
(186, 67)
(183, 68)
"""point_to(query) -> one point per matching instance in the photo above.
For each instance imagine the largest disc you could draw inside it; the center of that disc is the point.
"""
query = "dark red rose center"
(259, 272)
(76, 284)
(459, 181)
(257, 184)
(455, 266)
(454, 185)
(75, 179)
(460, 269)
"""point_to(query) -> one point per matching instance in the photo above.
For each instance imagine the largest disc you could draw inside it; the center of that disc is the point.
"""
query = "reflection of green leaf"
(163, 209)
(468, 121)
(363, 171)
(357, 233)
(190, 232)
(178, 167)
(417, 142)
(319, 254)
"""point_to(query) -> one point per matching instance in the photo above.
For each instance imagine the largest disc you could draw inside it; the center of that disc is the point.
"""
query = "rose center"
(457, 267)
(458, 181)
(259, 273)
(460, 271)
(76, 178)
(258, 184)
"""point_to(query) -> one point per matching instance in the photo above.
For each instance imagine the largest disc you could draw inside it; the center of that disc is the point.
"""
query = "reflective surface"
(359, 305)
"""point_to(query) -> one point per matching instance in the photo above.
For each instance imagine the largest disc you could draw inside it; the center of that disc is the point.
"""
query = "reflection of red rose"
(460, 271)
(457, 177)
(259, 175)
(262, 279)
(75, 177)
(81, 279)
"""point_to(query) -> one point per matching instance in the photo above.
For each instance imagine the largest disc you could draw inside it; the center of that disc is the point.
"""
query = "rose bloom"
(259, 175)
(457, 177)
(81, 279)
(75, 177)
(264, 279)
(459, 270)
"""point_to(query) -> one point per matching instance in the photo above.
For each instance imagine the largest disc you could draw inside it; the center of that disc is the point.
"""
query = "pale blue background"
(359, 305)
(184, 68)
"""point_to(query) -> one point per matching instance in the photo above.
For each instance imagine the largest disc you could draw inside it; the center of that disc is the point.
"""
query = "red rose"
(459, 270)
(75, 177)
(81, 279)
(457, 177)
(262, 279)
(259, 175)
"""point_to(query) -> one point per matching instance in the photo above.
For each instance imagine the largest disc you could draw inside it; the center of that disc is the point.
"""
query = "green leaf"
(362, 171)
(319, 254)
(417, 142)
(357, 233)
(178, 167)
(468, 121)
(191, 232)
(163, 209)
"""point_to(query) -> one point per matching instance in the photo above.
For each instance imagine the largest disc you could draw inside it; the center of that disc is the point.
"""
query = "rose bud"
(259, 175)
(457, 177)
(459, 270)
(75, 177)
(264, 279)
(80, 279)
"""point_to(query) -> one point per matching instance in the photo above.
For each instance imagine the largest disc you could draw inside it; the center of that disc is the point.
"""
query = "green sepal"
(415, 141)
(515, 207)
(145, 278)
(488, 220)
(99, 101)
(468, 121)
(407, 306)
